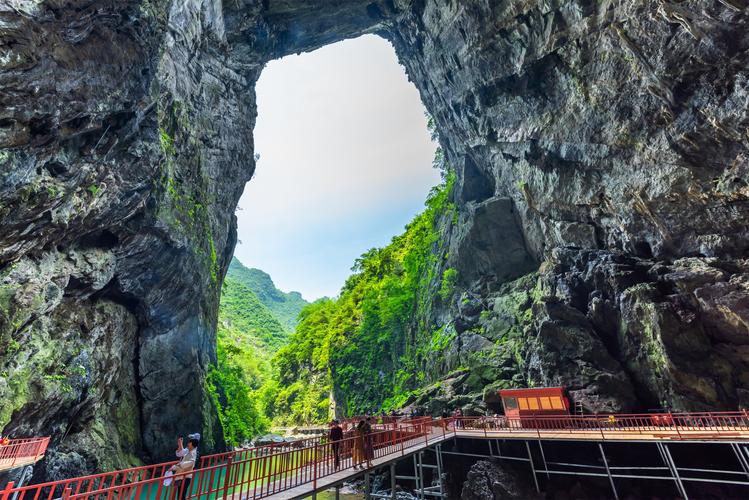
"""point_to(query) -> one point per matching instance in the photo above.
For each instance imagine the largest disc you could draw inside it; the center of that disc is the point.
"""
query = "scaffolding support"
(543, 458)
(741, 458)
(608, 471)
(668, 459)
(533, 467)
(392, 481)
(418, 477)
(438, 454)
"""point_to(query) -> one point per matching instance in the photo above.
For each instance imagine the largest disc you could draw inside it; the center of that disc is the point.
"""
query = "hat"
(194, 436)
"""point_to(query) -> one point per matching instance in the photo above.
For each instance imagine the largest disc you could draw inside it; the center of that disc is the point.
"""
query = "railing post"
(227, 476)
(673, 422)
(314, 477)
(6, 491)
(66, 493)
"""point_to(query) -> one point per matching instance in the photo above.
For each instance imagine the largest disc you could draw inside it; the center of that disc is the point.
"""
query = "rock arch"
(126, 128)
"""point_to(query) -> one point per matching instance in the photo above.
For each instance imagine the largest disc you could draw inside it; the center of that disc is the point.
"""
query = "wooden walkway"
(295, 470)
(617, 435)
(12, 463)
(22, 452)
(437, 436)
(346, 475)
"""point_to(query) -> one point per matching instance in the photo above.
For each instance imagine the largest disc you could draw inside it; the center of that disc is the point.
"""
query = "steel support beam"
(608, 472)
(419, 460)
(666, 454)
(741, 458)
(533, 467)
(543, 458)
(392, 481)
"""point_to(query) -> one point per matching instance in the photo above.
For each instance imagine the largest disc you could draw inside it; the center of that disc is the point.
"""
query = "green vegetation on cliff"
(249, 333)
(367, 343)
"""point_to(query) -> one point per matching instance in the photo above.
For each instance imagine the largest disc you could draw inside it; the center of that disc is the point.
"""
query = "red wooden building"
(539, 401)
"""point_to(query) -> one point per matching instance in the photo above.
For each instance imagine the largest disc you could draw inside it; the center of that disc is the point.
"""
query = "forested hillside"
(255, 320)
(369, 346)
(284, 306)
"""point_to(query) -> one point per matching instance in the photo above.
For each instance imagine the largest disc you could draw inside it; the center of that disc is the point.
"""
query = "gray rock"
(126, 130)
(487, 480)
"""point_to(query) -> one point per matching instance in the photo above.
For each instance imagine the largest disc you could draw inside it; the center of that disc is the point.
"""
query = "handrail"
(265, 470)
(24, 451)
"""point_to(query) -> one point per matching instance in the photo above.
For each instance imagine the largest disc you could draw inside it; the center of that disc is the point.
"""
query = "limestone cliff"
(607, 138)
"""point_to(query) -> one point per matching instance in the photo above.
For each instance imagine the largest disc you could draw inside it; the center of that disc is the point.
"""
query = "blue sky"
(345, 163)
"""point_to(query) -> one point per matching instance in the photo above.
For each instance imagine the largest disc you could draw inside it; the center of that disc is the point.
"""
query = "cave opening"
(345, 159)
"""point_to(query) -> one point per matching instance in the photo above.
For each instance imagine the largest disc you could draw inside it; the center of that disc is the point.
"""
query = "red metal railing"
(682, 425)
(22, 452)
(86, 484)
(265, 470)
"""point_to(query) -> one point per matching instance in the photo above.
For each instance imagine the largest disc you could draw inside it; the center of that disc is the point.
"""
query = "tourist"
(188, 458)
(368, 444)
(458, 414)
(181, 450)
(359, 437)
(335, 436)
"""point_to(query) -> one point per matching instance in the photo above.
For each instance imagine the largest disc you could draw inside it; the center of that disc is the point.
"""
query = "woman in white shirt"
(188, 457)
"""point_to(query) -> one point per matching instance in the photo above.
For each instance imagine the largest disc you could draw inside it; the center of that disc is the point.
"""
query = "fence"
(265, 470)
(681, 425)
(20, 452)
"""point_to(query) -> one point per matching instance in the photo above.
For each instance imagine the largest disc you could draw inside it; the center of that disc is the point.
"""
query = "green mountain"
(255, 320)
(242, 314)
(285, 307)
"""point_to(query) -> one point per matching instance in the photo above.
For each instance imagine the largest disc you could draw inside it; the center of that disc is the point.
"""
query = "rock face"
(489, 481)
(609, 138)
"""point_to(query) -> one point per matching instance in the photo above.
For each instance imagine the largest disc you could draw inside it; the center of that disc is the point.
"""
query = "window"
(511, 404)
(545, 403)
(557, 404)
(533, 403)
(523, 402)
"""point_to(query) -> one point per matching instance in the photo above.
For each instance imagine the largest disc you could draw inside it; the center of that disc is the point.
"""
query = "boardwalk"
(295, 470)
(22, 452)
(348, 474)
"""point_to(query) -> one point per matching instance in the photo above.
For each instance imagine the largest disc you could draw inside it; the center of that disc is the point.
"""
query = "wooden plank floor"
(9, 463)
